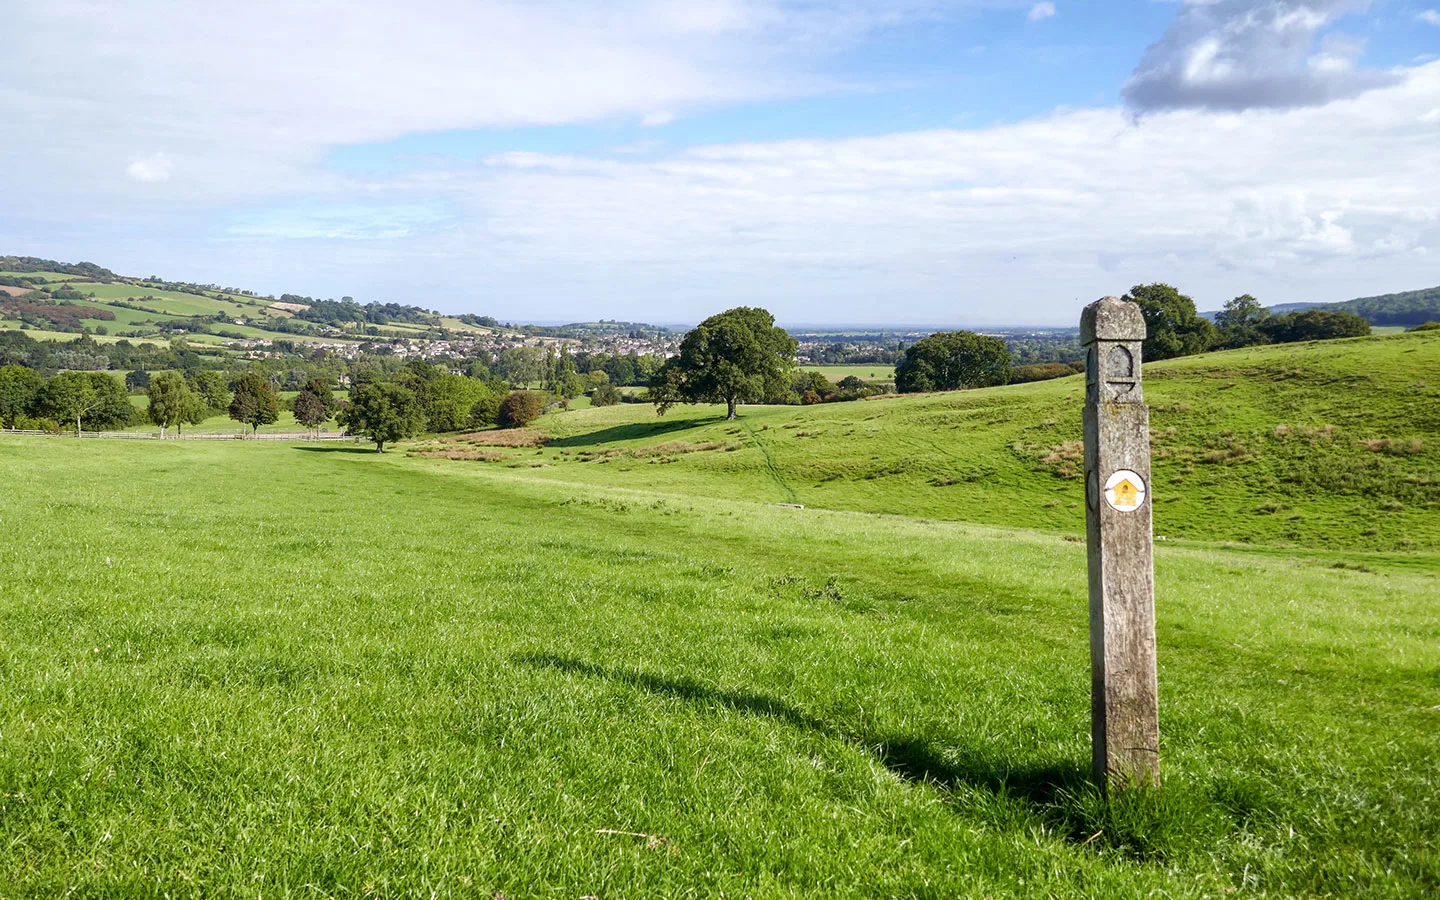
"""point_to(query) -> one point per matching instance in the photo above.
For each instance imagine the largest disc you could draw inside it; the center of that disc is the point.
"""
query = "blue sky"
(979, 163)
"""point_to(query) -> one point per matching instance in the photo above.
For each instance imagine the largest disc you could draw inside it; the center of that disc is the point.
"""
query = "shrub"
(485, 412)
(605, 394)
(520, 408)
(1427, 326)
(30, 423)
(1042, 372)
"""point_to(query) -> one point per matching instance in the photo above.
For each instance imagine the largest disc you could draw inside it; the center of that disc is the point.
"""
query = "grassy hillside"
(1323, 446)
(338, 673)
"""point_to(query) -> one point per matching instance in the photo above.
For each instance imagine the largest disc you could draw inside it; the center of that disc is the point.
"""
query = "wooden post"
(1124, 704)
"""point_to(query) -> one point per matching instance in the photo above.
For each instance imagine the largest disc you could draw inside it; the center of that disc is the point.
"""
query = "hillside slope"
(1327, 445)
(1404, 308)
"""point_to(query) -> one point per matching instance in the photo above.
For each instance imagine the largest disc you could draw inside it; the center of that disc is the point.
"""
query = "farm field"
(171, 302)
(126, 317)
(336, 672)
(41, 334)
(864, 373)
(44, 276)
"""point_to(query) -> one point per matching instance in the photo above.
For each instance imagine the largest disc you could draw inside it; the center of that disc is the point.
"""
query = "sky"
(981, 162)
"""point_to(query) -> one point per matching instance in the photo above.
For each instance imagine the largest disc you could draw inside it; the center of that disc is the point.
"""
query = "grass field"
(44, 276)
(170, 302)
(1307, 446)
(864, 373)
(614, 667)
(128, 318)
(290, 671)
(40, 334)
(223, 424)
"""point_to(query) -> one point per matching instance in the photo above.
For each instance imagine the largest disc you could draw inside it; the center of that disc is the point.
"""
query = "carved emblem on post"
(1124, 704)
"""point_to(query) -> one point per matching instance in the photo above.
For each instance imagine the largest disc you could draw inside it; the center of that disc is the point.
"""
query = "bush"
(1427, 326)
(30, 423)
(1043, 372)
(485, 412)
(520, 408)
(605, 394)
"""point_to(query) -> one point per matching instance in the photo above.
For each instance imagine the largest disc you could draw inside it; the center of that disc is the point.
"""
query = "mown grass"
(1333, 445)
(874, 373)
(240, 669)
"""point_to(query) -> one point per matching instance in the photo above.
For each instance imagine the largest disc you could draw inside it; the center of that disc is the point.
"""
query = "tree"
(736, 356)
(485, 412)
(170, 400)
(19, 388)
(314, 405)
(1241, 323)
(78, 396)
(196, 411)
(382, 411)
(520, 408)
(448, 400)
(211, 388)
(520, 365)
(1173, 328)
(605, 394)
(1314, 325)
(255, 402)
(137, 380)
(950, 360)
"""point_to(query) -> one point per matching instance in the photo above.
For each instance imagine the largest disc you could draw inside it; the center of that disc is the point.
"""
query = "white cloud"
(151, 169)
(1429, 17)
(1286, 204)
(248, 96)
(1012, 222)
(651, 120)
(1236, 54)
(1042, 10)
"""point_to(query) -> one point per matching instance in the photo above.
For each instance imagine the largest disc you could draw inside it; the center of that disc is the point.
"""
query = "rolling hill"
(1325, 445)
(1403, 309)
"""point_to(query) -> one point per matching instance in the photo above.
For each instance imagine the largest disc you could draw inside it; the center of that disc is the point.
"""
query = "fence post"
(1124, 700)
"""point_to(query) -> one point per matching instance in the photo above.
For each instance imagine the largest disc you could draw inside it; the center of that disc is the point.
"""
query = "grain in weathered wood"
(1124, 699)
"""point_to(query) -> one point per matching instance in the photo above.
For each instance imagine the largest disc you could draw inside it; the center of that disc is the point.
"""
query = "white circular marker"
(1125, 491)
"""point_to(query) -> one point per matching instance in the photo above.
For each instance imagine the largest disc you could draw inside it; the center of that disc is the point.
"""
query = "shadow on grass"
(1061, 793)
(633, 432)
(310, 448)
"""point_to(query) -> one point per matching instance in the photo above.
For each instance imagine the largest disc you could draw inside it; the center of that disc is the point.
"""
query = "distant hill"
(36, 264)
(1405, 308)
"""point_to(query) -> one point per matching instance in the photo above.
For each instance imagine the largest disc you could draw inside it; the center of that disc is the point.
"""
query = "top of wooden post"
(1111, 319)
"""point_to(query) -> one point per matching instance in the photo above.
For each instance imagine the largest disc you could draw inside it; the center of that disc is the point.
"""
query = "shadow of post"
(1056, 791)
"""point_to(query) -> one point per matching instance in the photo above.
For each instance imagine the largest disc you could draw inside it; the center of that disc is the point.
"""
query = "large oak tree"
(737, 356)
(950, 360)
(382, 412)
(254, 402)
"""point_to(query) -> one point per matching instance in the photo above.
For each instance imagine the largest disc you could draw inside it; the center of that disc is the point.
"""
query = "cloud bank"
(1239, 54)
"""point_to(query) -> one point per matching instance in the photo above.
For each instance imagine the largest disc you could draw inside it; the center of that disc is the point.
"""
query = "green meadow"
(875, 373)
(613, 666)
(1322, 446)
(161, 301)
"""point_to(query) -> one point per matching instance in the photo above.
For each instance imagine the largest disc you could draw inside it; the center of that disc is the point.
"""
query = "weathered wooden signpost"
(1124, 705)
